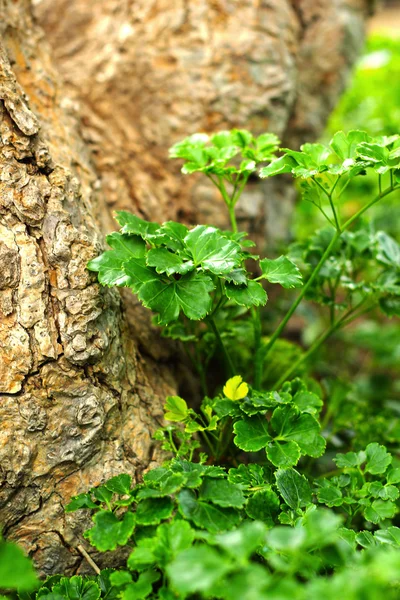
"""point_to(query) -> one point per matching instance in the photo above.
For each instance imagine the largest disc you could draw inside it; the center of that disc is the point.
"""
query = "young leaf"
(282, 271)
(176, 409)
(235, 388)
(132, 224)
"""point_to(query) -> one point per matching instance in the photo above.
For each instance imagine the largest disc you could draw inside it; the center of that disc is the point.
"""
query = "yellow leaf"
(235, 388)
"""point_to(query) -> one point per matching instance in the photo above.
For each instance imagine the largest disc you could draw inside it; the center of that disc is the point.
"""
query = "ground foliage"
(272, 489)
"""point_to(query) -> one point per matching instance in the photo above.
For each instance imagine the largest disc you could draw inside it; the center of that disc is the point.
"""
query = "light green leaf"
(252, 433)
(378, 459)
(16, 570)
(197, 570)
(282, 271)
(120, 484)
(141, 588)
(243, 541)
(380, 510)
(75, 588)
(176, 409)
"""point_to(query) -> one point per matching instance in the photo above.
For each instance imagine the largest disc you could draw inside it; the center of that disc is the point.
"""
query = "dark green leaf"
(263, 506)
(152, 511)
(293, 487)
(221, 492)
(252, 294)
(205, 515)
(252, 433)
(110, 532)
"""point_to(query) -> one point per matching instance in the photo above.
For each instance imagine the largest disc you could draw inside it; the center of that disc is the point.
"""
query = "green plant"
(255, 501)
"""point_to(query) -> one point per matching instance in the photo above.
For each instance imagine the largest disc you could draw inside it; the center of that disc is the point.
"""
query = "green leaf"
(176, 409)
(172, 538)
(345, 145)
(212, 251)
(283, 454)
(378, 459)
(251, 475)
(152, 511)
(110, 532)
(252, 294)
(252, 433)
(282, 271)
(81, 501)
(221, 492)
(388, 250)
(330, 495)
(141, 588)
(76, 588)
(349, 460)
(16, 570)
(165, 261)
(132, 224)
(390, 536)
(380, 510)
(171, 235)
(263, 506)
(205, 515)
(197, 570)
(292, 425)
(109, 265)
(168, 297)
(393, 476)
(293, 487)
(243, 541)
(284, 164)
(120, 484)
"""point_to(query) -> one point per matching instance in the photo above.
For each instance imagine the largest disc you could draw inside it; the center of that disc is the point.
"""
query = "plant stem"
(258, 360)
(264, 352)
(232, 216)
(344, 320)
(217, 334)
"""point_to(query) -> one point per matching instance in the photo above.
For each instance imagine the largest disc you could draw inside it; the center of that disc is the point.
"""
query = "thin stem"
(344, 320)
(317, 269)
(257, 347)
(295, 304)
(232, 216)
(89, 559)
(217, 334)
(329, 196)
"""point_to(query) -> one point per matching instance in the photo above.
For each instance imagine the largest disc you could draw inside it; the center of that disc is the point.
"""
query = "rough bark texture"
(79, 401)
(77, 405)
(149, 72)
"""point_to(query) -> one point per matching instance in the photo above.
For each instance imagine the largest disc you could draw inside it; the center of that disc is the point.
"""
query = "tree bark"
(82, 376)
(149, 72)
(77, 404)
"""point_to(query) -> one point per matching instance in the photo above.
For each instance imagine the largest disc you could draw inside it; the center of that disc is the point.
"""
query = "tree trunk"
(80, 401)
(149, 72)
